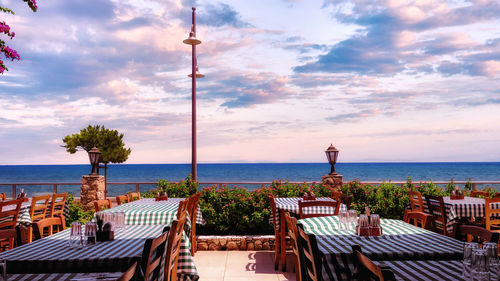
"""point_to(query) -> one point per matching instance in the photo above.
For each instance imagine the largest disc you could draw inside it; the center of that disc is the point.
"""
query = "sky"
(383, 81)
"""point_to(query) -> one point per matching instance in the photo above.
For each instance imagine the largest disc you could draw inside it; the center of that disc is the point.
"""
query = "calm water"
(246, 172)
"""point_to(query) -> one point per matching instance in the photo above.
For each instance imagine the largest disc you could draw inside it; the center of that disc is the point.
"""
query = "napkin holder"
(105, 235)
(161, 198)
(457, 197)
(368, 230)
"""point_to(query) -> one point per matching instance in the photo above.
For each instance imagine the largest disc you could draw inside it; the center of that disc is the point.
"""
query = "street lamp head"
(192, 40)
(331, 154)
(94, 155)
(198, 74)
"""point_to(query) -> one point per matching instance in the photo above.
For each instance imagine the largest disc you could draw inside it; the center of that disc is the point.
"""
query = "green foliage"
(409, 184)
(450, 186)
(429, 188)
(181, 189)
(109, 142)
(6, 10)
(468, 185)
(76, 212)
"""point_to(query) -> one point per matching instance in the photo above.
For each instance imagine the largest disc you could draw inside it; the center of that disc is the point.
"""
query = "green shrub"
(181, 189)
(76, 213)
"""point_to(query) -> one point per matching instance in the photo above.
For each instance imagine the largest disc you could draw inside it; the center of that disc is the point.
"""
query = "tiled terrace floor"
(239, 266)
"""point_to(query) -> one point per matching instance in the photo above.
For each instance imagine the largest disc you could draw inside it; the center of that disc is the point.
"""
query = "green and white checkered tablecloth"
(400, 241)
(24, 217)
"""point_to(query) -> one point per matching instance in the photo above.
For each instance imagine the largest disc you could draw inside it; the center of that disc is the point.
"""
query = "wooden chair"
(291, 225)
(346, 200)
(38, 211)
(193, 213)
(183, 206)
(492, 215)
(103, 203)
(129, 275)
(173, 247)
(476, 233)
(152, 257)
(121, 199)
(274, 222)
(435, 205)
(419, 219)
(132, 196)
(332, 205)
(50, 224)
(308, 250)
(479, 193)
(3, 196)
(57, 206)
(8, 222)
(366, 268)
(416, 201)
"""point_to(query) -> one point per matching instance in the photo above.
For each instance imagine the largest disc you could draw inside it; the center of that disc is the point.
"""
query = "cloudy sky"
(382, 80)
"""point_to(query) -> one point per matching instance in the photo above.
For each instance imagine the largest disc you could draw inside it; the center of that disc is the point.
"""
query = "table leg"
(282, 240)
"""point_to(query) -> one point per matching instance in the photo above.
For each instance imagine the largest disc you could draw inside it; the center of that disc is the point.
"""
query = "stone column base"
(334, 182)
(93, 188)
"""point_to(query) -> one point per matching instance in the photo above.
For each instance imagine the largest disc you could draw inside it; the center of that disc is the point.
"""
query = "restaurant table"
(105, 276)
(148, 211)
(400, 241)
(438, 270)
(469, 207)
(291, 204)
(53, 254)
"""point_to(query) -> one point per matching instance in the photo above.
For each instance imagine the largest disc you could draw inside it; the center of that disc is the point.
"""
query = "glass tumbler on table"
(493, 263)
(479, 266)
(75, 238)
(90, 233)
(466, 264)
(343, 220)
(353, 217)
(3, 268)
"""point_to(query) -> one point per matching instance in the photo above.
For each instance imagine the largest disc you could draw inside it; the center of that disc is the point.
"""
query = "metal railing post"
(136, 187)
(54, 189)
(14, 191)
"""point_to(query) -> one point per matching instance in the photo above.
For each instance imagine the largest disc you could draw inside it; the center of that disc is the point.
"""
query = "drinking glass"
(121, 216)
(75, 238)
(479, 265)
(374, 220)
(343, 220)
(493, 264)
(3, 268)
(466, 265)
(90, 233)
(353, 217)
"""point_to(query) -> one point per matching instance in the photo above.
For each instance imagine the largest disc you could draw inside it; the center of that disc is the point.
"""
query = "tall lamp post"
(331, 154)
(94, 155)
(332, 180)
(193, 41)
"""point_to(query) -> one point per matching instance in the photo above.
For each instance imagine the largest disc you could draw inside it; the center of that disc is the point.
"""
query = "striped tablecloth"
(147, 211)
(400, 241)
(53, 254)
(431, 270)
(105, 276)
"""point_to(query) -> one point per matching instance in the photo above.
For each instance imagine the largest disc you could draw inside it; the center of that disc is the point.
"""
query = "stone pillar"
(93, 189)
(334, 182)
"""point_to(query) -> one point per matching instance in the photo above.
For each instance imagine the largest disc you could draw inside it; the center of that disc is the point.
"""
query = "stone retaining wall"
(235, 243)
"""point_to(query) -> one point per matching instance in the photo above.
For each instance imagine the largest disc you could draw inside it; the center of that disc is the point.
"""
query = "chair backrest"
(274, 212)
(132, 196)
(346, 200)
(416, 202)
(129, 274)
(102, 204)
(3, 196)
(366, 268)
(10, 235)
(152, 256)
(57, 204)
(479, 193)
(476, 233)
(193, 213)
(308, 249)
(324, 208)
(121, 199)
(9, 212)
(173, 248)
(39, 226)
(39, 206)
(419, 219)
(291, 224)
(183, 206)
(435, 205)
(491, 212)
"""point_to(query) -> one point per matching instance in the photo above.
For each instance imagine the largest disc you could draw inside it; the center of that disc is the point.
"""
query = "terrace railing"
(56, 185)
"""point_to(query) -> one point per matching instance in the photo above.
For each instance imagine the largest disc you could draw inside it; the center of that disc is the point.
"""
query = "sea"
(241, 172)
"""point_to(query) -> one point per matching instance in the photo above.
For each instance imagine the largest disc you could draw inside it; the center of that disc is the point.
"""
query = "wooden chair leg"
(276, 251)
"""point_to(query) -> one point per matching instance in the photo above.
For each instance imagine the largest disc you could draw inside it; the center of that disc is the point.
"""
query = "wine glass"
(479, 265)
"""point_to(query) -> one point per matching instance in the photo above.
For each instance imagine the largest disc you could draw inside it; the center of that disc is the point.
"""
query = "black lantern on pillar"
(94, 155)
(331, 154)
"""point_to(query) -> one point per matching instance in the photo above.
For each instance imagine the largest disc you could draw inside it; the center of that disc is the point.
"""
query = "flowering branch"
(8, 52)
